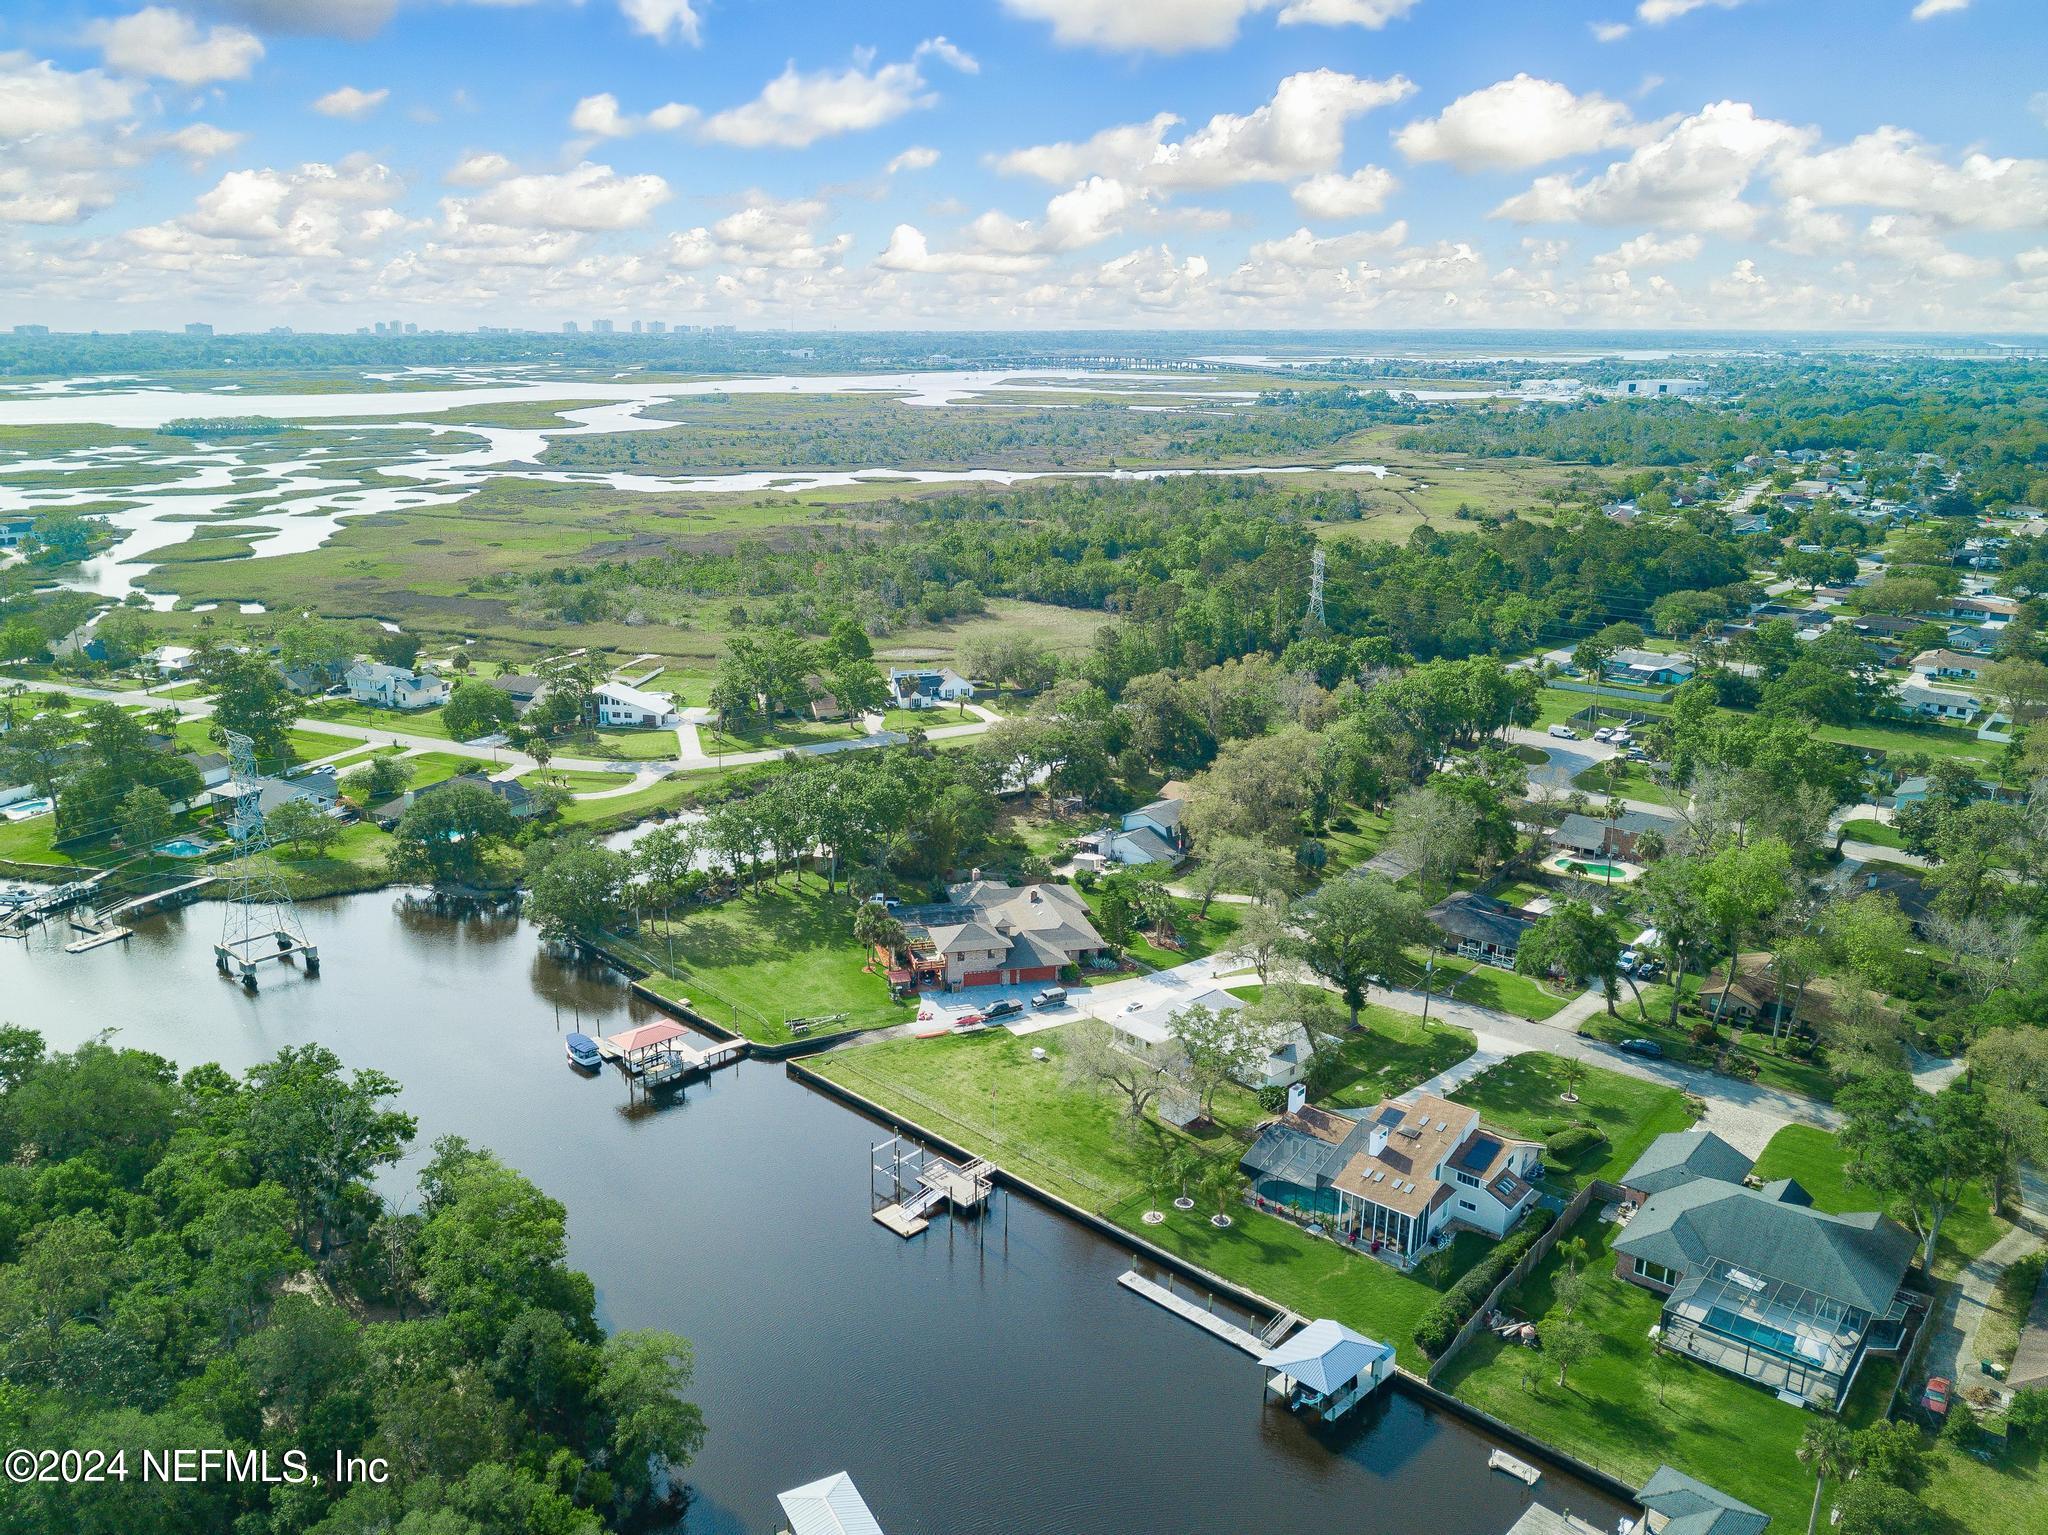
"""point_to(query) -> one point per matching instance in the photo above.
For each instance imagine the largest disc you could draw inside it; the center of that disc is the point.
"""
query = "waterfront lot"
(754, 961)
(988, 1093)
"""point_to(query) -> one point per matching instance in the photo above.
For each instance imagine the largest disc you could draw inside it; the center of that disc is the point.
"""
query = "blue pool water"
(1778, 1341)
(184, 847)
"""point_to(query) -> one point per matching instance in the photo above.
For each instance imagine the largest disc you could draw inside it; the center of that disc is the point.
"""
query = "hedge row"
(1440, 1324)
(1568, 1144)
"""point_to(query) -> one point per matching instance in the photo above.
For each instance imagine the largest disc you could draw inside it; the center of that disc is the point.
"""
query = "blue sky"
(1869, 164)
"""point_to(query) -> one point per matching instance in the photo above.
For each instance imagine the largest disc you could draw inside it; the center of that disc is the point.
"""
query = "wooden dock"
(1181, 1306)
(901, 1221)
(96, 938)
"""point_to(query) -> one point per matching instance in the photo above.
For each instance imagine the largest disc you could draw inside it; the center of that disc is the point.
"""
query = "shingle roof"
(1680, 1156)
(1465, 915)
(1694, 1508)
(1162, 812)
(1858, 1259)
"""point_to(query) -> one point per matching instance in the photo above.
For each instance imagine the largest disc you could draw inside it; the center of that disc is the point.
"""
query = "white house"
(394, 687)
(1148, 1032)
(1939, 703)
(1939, 665)
(616, 705)
(927, 687)
(1150, 834)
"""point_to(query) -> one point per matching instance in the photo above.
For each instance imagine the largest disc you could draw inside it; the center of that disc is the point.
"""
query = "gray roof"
(1152, 845)
(1463, 914)
(830, 1506)
(1858, 1259)
(1577, 830)
(1694, 1508)
(1161, 812)
(1680, 1156)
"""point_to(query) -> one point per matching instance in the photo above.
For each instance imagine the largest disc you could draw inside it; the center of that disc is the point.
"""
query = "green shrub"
(1572, 1142)
(1440, 1324)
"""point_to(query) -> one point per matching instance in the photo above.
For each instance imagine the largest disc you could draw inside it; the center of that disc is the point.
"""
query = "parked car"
(1052, 996)
(1935, 1397)
(1564, 732)
(1628, 960)
(1603, 734)
(1647, 1047)
(1002, 1009)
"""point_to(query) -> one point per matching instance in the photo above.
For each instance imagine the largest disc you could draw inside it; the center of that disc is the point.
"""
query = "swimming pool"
(184, 847)
(1597, 870)
(1784, 1344)
(22, 809)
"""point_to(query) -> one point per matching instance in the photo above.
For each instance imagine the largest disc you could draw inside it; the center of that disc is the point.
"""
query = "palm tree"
(1827, 1448)
(1573, 1251)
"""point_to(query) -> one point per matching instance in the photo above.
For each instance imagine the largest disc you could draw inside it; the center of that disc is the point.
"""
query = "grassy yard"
(1391, 1053)
(1197, 936)
(761, 958)
(1780, 1066)
(1814, 1159)
(412, 722)
(1468, 980)
(633, 745)
(1911, 740)
(986, 1092)
(1354, 836)
(1877, 832)
(663, 794)
(305, 743)
(1523, 1094)
(1628, 779)
(1614, 1413)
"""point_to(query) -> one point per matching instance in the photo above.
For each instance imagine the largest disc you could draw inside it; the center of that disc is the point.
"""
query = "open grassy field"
(1483, 985)
(1525, 1094)
(413, 722)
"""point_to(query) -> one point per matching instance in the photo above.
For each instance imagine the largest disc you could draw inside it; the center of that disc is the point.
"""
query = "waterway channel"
(986, 1379)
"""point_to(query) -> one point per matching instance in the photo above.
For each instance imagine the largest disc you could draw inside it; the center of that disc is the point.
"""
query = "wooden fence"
(1538, 1251)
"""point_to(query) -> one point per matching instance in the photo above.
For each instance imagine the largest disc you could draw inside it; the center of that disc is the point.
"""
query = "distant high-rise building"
(637, 327)
(600, 327)
(31, 330)
(568, 327)
(198, 328)
(657, 327)
(411, 329)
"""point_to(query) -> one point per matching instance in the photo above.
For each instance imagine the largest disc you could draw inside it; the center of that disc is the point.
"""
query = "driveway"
(1952, 1346)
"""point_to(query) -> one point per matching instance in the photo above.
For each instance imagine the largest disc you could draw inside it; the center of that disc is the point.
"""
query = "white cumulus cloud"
(917, 157)
(1894, 168)
(1518, 123)
(351, 102)
(162, 44)
(1930, 8)
(589, 197)
(659, 19)
(1175, 26)
(1337, 196)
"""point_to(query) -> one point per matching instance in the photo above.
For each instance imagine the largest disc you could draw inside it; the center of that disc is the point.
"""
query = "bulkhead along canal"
(985, 1379)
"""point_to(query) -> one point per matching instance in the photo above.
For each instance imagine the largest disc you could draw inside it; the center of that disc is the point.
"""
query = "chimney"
(1297, 1097)
(1376, 1142)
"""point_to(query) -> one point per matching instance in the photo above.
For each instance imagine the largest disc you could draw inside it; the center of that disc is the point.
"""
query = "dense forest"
(202, 1262)
(1200, 569)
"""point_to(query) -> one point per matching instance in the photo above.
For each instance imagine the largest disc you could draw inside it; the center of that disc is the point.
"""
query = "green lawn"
(1908, 740)
(761, 958)
(634, 745)
(986, 1092)
(783, 733)
(438, 767)
(1391, 1053)
(1197, 935)
(1814, 1159)
(2004, 1498)
(1732, 1435)
(306, 743)
(1522, 1094)
(578, 781)
(624, 809)
(414, 722)
(1878, 832)
(1483, 985)
(1627, 779)
(1354, 836)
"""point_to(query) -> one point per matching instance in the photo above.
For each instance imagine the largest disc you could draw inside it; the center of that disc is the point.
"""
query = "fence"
(1514, 1276)
(1638, 695)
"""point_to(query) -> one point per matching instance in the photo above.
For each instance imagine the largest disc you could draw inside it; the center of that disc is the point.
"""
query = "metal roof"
(831, 1505)
(1327, 1356)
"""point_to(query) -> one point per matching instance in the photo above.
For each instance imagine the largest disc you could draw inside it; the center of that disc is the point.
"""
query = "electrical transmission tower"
(259, 921)
(1315, 593)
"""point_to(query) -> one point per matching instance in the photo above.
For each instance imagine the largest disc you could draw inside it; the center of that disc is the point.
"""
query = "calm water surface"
(977, 1380)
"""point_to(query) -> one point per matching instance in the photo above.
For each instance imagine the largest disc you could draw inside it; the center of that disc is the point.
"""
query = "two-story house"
(394, 687)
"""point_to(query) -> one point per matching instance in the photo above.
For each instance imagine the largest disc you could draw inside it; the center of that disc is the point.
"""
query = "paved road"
(645, 771)
(1952, 1346)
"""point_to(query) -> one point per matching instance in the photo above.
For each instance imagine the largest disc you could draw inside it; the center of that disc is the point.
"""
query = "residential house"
(1396, 1177)
(81, 643)
(927, 687)
(519, 799)
(1761, 1284)
(1947, 666)
(1983, 608)
(1152, 833)
(1148, 1032)
(394, 687)
(1481, 928)
(1676, 1504)
(1939, 703)
(307, 681)
(171, 660)
(1648, 667)
(1681, 1156)
(1903, 885)
(1597, 837)
(1750, 524)
(1758, 999)
(615, 706)
(525, 691)
(987, 933)
(1976, 639)
(318, 789)
(213, 769)
(825, 703)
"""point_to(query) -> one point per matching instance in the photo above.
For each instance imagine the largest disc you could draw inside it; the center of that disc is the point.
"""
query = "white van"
(1564, 732)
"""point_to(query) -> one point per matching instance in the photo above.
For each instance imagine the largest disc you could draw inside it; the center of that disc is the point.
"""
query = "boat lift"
(908, 1184)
